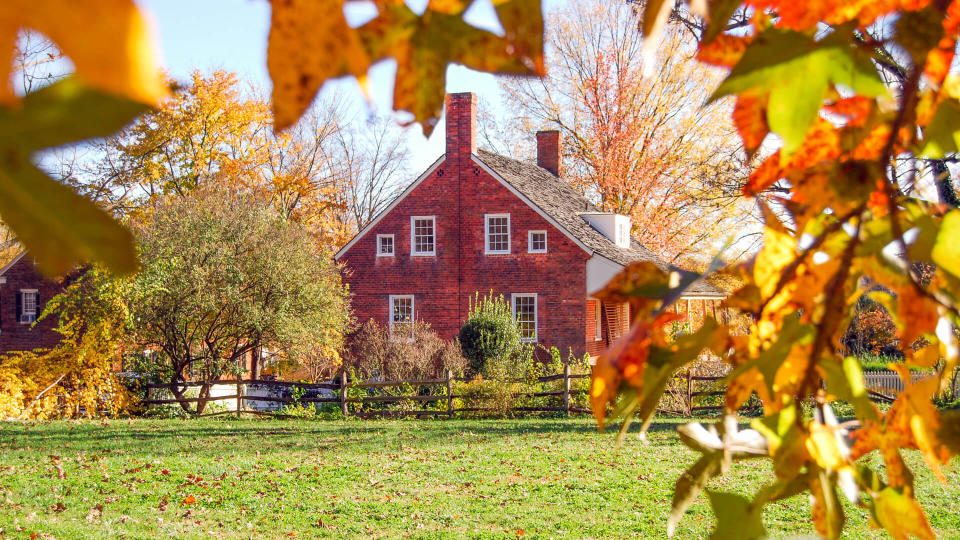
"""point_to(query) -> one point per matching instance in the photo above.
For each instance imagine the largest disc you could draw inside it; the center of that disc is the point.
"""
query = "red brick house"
(24, 292)
(475, 221)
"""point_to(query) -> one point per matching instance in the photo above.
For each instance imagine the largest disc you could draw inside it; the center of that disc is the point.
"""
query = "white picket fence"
(887, 381)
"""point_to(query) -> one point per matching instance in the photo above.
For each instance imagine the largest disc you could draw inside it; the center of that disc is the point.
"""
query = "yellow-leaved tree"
(78, 377)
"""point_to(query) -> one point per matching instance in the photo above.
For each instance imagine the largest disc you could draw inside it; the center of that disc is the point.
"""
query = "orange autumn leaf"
(750, 119)
(918, 315)
(109, 42)
(189, 499)
(310, 42)
(822, 144)
(854, 109)
(767, 174)
(724, 51)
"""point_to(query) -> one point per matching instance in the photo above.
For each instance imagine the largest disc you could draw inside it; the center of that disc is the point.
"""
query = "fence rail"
(340, 394)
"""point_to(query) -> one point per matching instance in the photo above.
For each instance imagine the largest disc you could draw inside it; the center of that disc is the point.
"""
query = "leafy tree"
(224, 274)
(490, 332)
(638, 145)
(76, 378)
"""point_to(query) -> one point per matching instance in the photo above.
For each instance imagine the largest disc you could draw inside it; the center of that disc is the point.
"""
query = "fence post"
(449, 393)
(566, 388)
(239, 395)
(689, 392)
(343, 393)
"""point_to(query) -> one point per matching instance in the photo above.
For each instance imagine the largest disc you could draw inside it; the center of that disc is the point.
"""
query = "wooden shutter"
(19, 306)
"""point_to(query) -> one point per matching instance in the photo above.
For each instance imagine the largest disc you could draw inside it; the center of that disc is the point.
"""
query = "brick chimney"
(548, 151)
(461, 126)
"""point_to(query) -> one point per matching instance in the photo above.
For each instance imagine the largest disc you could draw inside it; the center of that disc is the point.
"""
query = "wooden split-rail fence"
(882, 386)
(338, 392)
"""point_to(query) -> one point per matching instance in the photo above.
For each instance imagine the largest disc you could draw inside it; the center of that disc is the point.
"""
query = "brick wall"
(15, 336)
(459, 193)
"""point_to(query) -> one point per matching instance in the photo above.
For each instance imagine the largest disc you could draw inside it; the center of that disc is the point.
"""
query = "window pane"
(498, 233)
(538, 241)
(386, 245)
(423, 235)
(525, 308)
(402, 316)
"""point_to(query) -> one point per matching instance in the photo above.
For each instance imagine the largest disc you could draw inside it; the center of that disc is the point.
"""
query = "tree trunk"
(945, 189)
(204, 397)
(179, 393)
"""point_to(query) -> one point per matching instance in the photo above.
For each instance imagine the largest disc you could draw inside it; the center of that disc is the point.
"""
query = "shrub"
(490, 333)
(373, 352)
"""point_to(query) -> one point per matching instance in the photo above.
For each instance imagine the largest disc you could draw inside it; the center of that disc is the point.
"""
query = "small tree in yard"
(224, 274)
(490, 331)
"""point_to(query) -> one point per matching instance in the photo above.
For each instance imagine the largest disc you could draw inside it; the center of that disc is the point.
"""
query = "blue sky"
(232, 35)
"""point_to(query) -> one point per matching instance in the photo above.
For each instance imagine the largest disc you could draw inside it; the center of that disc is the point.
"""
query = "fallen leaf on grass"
(189, 499)
(95, 512)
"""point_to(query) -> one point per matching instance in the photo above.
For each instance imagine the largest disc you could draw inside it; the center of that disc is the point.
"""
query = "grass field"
(542, 478)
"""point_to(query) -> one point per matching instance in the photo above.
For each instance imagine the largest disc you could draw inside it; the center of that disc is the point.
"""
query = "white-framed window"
(597, 320)
(537, 242)
(525, 313)
(401, 316)
(496, 233)
(423, 235)
(29, 300)
(385, 247)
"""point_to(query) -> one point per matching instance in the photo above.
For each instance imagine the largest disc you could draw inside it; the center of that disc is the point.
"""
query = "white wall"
(600, 270)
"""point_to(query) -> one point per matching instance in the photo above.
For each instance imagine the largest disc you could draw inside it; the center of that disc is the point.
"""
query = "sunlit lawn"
(439, 478)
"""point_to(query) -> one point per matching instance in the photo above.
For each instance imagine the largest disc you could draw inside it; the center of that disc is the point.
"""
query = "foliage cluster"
(223, 275)
(490, 334)
(372, 352)
(846, 221)
(76, 378)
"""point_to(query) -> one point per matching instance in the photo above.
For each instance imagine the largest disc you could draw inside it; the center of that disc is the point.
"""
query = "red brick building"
(24, 292)
(475, 221)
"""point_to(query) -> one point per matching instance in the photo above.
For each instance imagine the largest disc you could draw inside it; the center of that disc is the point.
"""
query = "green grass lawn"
(442, 478)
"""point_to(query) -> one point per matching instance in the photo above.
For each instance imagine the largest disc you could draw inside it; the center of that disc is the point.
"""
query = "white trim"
(3, 281)
(537, 209)
(12, 262)
(23, 305)
(702, 297)
(413, 311)
(385, 211)
(393, 246)
(413, 243)
(530, 242)
(536, 314)
(486, 235)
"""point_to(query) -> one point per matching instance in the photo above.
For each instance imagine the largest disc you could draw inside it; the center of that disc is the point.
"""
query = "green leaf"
(720, 13)
(942, 135)
(797, 72)
(689, 485)
(737, 519)
(59, 227)
(945, 253)
(845, 380)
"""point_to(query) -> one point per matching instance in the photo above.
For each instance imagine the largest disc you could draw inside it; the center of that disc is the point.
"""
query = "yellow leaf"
(108, 41)
(309, 43)
(424, 44)
(901, 516)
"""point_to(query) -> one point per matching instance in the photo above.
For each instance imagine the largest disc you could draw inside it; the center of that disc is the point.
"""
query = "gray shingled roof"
(565, 205)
